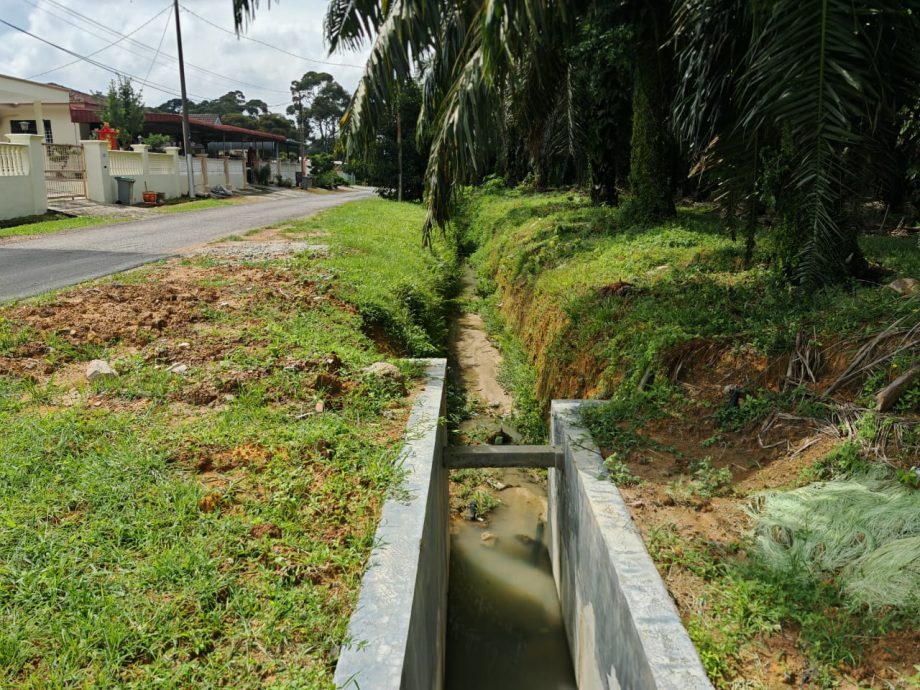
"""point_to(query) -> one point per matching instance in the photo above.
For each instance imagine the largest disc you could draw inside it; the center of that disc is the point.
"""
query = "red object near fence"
(106, 133)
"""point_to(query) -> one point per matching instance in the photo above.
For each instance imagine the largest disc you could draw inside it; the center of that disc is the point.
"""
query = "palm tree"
(486, 64)
(817, 84)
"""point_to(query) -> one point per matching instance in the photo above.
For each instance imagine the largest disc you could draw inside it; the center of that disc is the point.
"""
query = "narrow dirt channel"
(504, 623)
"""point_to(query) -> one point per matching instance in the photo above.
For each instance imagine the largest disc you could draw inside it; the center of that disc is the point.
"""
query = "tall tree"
(123, 109)
(303, 92)
(397, 139)
(326, 111)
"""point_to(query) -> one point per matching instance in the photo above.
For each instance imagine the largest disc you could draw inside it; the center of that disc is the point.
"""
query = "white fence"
(164, 173)
(14, 160)
(287, 170)
(24, 188)
(126, 163)
(210, 172)
(22, 177)
(162, 163)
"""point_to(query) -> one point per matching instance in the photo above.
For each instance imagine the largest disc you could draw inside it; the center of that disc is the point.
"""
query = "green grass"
(54, 224)
(393, 281)
(685, 280)
(197, 205)
(150, 537)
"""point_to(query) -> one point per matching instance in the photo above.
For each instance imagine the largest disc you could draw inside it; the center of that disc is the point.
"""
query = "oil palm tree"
(819, 83)
(486, 63)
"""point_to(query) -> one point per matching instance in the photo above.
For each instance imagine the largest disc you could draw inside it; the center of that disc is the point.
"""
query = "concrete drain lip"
(623, 629)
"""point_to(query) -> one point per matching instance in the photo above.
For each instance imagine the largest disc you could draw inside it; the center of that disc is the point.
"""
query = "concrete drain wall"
(396, 635)
(623, 629)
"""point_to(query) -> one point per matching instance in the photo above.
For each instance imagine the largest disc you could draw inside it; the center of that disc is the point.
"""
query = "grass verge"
(202, 519)
(51, 223)
(181, 206)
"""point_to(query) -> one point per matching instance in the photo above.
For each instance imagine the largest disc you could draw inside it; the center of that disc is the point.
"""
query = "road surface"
(30, 266)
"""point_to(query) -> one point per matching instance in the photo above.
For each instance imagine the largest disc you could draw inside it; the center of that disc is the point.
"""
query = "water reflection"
(504, 626)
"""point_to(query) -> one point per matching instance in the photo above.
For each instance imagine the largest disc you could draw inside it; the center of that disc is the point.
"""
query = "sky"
(259, 71)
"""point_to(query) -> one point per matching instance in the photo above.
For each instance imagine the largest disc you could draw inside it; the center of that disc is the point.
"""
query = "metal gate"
(65, 172)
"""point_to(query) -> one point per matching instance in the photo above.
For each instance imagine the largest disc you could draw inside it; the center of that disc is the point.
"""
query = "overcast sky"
(257, 70)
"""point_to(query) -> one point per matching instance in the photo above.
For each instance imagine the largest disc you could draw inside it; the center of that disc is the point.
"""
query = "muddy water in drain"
(504, 625)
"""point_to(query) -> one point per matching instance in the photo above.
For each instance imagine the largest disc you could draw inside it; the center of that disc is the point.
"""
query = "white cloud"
(257, 70)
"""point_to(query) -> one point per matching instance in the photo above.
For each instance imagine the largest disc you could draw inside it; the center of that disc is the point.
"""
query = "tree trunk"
(399, 150)
(652, 158)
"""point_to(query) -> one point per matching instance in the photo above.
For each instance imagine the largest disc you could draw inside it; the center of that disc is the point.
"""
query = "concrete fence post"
(177, 190)
(226, 171)
(36, 156)
(203, 163)
(100, 186)
(145, 157)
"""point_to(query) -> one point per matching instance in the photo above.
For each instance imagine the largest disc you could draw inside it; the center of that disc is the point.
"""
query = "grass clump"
(705, 482)
(400, 289)
(849, 529)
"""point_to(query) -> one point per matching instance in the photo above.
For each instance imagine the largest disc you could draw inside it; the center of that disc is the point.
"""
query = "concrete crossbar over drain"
(623, 629)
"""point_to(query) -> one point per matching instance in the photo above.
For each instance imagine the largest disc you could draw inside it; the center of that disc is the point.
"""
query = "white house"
(27, 107)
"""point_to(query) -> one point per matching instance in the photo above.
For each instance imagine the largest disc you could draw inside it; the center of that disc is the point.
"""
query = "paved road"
(32, 266)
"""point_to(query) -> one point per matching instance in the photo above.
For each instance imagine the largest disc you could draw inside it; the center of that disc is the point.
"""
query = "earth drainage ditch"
(553, 591)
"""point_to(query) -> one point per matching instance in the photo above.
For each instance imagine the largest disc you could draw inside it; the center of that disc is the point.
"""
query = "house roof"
(203, 124)
(92, 116)
(16, 90)
(213, 118)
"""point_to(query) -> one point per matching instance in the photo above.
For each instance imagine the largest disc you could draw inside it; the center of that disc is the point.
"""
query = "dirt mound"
(132, 314)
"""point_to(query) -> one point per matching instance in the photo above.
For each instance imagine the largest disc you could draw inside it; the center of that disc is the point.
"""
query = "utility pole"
(185, 127)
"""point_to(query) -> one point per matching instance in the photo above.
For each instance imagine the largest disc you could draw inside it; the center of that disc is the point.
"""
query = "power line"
(159, 45)
(95, 24)
(268, 45)
(84, 58)
(105, 47)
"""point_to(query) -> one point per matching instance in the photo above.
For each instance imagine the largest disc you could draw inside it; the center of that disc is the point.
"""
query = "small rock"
(333, 362)
(385, 370)
(904, 286)
(184, 346)
(320, 406)
(494, 404)
(495, 484)
(177, 368)
(99, 368)
(488, 539)
(266, 529)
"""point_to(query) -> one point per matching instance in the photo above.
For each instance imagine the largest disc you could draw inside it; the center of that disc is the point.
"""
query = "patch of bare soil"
(158, 317)
(475, 358)
(764, 456)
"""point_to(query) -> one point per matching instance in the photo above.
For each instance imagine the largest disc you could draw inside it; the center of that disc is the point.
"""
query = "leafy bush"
(321, 163)
(328, 180)
(157, 142)
(263, 174)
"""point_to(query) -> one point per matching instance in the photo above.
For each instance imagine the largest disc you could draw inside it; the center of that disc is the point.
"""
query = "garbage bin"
(125, 190)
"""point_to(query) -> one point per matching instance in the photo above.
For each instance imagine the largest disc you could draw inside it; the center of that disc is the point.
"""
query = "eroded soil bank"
(717, 380)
